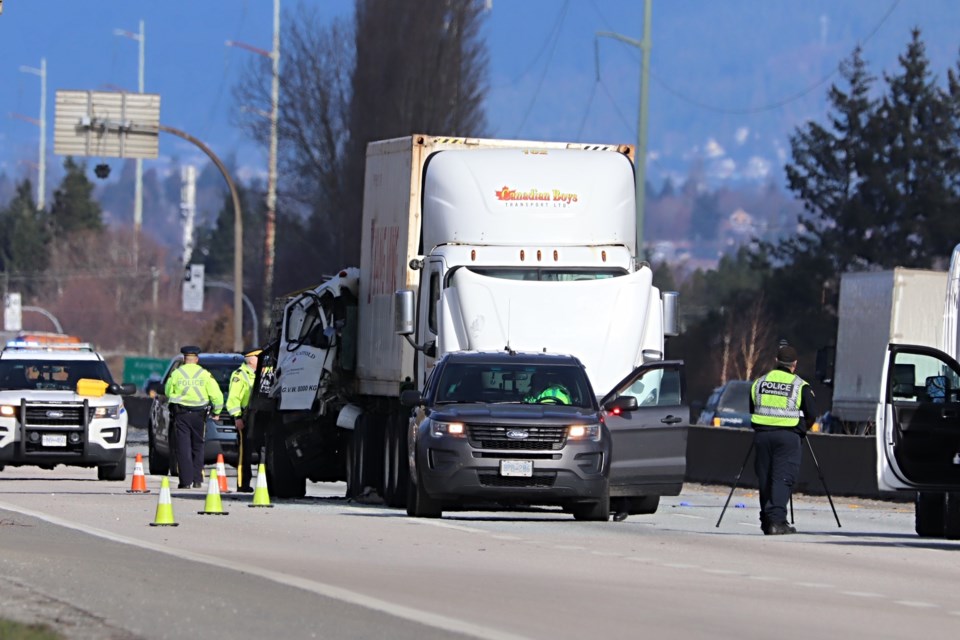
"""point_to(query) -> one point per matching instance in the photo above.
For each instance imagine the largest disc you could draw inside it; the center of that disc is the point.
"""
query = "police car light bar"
(38, 346)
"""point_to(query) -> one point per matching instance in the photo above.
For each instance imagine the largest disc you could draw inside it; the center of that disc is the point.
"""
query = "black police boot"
(779, 529)
(245, 489)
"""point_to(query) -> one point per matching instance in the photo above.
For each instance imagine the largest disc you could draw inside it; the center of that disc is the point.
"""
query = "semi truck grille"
(539, 480)
(498, 437)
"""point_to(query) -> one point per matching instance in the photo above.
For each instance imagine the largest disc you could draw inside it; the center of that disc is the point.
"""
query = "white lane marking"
(917, 604)
(504, 537)
(684, 515)
(766, 578)
(639, 559)
(749, 524)
(723, 572)
(445, 525)
(608, 554)
(814, 585)
(679, 565)
(862, 594)
(419, 616)
(568, 547)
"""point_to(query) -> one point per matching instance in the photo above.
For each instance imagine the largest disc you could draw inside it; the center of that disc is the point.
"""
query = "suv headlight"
(112, 411)
(584, 432)
(440, 429)
(8, 410)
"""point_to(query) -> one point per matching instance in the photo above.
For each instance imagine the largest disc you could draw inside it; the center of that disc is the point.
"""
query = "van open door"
(918, 434)
(647, 414)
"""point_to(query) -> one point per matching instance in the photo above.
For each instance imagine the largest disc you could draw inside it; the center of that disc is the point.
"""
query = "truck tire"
(421, 505)
(598, 511)
(930, 514)
(364, 457)
(156, 462)
(396, 468)
(113, 472)
(282, 478)
(951, 516)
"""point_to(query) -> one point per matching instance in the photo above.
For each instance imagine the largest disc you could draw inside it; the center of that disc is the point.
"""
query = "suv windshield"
(504, 382)
(50, 375)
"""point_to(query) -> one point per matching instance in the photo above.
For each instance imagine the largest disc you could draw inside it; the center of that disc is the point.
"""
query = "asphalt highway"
(80, 554)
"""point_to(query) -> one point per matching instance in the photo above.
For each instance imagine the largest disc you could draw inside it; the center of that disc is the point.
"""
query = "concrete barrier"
(849, 463)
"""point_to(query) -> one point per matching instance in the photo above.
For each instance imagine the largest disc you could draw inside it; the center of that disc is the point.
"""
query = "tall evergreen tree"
(74, 208)
(913, 188)
(23, 234)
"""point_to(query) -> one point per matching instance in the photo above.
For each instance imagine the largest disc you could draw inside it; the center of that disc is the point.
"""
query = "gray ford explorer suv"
(508, 427)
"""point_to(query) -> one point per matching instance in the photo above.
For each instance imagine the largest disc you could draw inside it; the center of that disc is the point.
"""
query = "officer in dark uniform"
(782, 408)
(191, 392)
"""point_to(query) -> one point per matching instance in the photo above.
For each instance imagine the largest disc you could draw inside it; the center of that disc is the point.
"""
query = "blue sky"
(730, 80)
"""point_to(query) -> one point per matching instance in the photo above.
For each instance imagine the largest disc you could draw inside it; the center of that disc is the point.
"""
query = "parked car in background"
(221, 433)
(728, 405)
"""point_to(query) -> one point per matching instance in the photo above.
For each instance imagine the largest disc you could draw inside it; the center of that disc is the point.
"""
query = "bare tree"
(746, 342)
(400, 68)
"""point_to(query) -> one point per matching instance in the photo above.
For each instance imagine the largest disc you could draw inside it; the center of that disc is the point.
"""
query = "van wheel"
(930, 514)
(598, 511)
(951, 516)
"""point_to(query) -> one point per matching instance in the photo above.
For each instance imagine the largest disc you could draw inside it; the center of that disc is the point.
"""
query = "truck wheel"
(157, 463)
(598, 511)
(419, 504)
(396, 469)
(282, 478)
(364, 455)
(930, 514)
(951, 516)
(114, 472)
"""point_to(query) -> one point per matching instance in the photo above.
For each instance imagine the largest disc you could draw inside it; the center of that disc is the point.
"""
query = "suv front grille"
(50, 414)
(537, 438)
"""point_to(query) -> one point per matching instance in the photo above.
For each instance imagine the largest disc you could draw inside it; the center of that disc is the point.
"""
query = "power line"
(770, 106)
(546, 67)
(543, 47)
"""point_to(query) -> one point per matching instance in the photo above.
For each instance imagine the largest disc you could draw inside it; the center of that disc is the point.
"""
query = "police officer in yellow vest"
(238, 399)
(782, 408)
(191, 392)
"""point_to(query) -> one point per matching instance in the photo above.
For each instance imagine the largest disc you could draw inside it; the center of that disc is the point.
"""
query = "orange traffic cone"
(222, 474)
(139, 480)
(164, 517)
(213, 506)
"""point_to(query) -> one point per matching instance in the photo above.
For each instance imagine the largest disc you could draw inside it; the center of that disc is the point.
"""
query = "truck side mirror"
(404, 312)
(671, 321)
(826, 359)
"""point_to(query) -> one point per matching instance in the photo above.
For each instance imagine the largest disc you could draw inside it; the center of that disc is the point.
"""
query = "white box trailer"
(900, 305)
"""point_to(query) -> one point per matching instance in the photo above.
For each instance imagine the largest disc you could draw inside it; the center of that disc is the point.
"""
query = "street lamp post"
(138, 187)
(42, 164)
(270, 225)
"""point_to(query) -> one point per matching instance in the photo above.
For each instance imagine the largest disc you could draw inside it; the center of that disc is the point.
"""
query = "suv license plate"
(522, 468)
(54, 440)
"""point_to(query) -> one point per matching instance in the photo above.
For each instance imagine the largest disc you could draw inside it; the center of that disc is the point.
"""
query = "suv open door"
(918, 435)
(647, 415)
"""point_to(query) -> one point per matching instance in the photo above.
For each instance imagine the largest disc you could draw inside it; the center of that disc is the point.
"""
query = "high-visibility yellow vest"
(241, 382)
(776, 399)
(190, 385)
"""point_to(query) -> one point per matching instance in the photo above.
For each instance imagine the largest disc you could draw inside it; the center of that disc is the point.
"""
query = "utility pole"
(138, 186)
(42, 160)
(270, 224)
(640, 162)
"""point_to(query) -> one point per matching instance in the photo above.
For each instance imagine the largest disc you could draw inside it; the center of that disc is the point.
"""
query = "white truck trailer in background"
(877, 308)
(477, 245)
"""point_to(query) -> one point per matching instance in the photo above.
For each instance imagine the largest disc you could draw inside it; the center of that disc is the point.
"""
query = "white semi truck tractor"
(467, 244)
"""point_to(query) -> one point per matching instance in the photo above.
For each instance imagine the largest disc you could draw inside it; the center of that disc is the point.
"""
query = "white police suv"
(60, 405)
